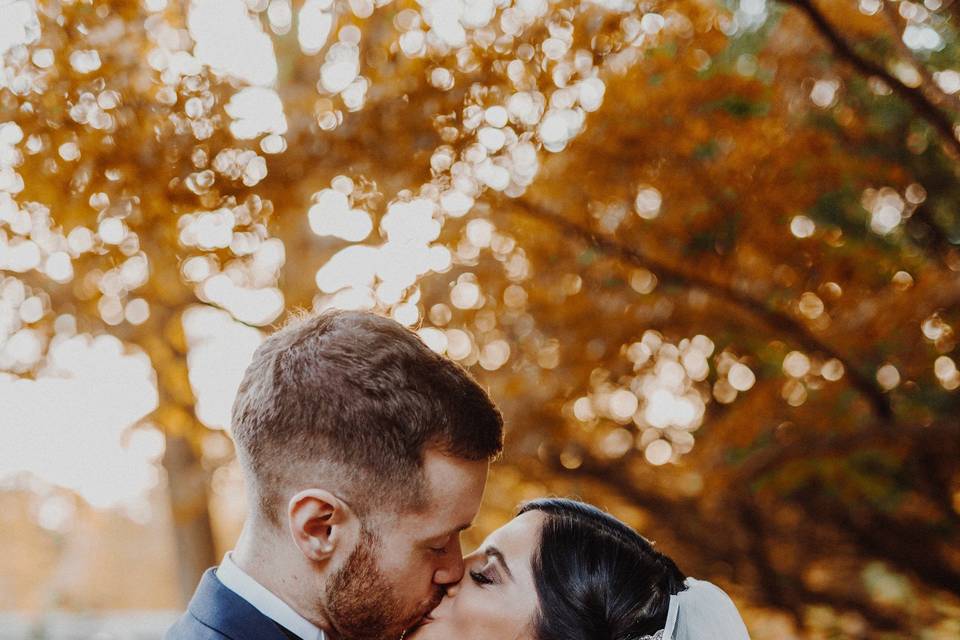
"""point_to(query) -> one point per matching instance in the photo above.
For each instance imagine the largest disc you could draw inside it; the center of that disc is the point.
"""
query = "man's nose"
(451, 570)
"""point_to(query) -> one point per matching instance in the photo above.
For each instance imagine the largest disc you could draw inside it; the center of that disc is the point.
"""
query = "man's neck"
(265, 559)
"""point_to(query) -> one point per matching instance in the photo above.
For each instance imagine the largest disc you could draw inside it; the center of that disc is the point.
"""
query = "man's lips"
(427, 617)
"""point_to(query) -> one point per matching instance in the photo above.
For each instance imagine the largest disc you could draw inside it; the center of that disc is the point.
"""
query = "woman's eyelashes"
(484, 577)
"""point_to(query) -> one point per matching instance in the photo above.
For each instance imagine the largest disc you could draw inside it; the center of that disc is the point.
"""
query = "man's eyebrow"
(459, 529)
(493, 552)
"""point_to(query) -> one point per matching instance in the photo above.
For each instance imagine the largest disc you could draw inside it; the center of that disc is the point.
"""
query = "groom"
(365, 454)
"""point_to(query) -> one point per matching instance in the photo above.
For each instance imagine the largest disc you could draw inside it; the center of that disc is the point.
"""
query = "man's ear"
(320, 522)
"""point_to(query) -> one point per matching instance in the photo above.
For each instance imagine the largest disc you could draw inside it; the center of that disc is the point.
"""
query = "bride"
(563, 570)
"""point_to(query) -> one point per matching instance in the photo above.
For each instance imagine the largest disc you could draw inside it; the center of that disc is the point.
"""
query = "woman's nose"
(453, 590)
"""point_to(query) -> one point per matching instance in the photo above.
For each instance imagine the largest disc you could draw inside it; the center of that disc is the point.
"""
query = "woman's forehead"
(517, 539)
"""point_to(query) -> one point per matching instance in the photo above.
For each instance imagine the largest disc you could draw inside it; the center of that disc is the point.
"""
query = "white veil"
(703, 611)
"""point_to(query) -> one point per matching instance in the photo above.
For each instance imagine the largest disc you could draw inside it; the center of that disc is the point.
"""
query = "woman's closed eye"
(483, 578)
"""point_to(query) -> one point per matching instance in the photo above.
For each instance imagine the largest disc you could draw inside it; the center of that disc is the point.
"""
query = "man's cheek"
(407, 571)
(394, 559)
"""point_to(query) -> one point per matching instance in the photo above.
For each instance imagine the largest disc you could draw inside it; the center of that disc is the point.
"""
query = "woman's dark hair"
(596, 578)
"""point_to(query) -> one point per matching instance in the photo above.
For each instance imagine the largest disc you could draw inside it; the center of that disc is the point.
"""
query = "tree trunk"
(187, 487)
(162, 338)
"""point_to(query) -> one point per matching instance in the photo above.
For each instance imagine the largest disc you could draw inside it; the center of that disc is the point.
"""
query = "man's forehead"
(437, 530)
(454, 488)
(444, 472)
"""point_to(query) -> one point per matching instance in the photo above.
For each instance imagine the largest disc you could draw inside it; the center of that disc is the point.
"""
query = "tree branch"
(932, 437)
(911, 547)
(920, 103)
(873, 530)
(773, 320)
(929, 85)
(687, 526)
(788, 592)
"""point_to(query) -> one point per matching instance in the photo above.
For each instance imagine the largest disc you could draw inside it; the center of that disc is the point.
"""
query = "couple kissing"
(365, 456)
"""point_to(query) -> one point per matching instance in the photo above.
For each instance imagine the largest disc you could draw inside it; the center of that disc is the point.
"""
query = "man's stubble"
(362, 603)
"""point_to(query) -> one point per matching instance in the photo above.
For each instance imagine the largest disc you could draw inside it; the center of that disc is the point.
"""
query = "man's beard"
(361, 602)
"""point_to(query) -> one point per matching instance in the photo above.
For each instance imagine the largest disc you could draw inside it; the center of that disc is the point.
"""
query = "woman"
(563, 570)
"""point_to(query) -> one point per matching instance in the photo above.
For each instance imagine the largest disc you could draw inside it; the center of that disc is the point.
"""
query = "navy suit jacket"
(216, 612)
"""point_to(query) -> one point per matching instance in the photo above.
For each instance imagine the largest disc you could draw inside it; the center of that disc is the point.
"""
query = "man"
(365, 454)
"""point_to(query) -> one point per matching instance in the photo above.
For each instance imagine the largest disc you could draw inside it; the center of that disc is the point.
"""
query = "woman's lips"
(424, 621)
(427, 617)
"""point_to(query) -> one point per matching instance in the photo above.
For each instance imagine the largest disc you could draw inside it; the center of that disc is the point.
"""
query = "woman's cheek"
(469, 610)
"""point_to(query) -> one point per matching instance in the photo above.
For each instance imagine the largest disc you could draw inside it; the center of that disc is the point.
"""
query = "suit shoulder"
(189, 628)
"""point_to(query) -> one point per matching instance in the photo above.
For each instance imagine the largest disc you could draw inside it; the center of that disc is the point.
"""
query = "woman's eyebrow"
(493, 552)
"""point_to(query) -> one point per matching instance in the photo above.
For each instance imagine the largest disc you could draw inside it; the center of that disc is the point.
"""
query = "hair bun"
(596, 578)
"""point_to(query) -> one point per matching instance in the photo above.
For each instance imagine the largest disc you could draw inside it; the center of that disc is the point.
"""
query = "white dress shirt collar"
(265, 601)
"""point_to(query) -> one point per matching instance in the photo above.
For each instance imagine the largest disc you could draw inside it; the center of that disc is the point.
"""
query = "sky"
(79, 427)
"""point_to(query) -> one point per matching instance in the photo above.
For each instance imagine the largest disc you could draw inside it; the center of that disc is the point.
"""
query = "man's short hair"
(355, 397)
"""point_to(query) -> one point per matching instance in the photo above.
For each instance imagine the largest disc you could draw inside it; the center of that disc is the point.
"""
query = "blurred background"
(703, 253)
